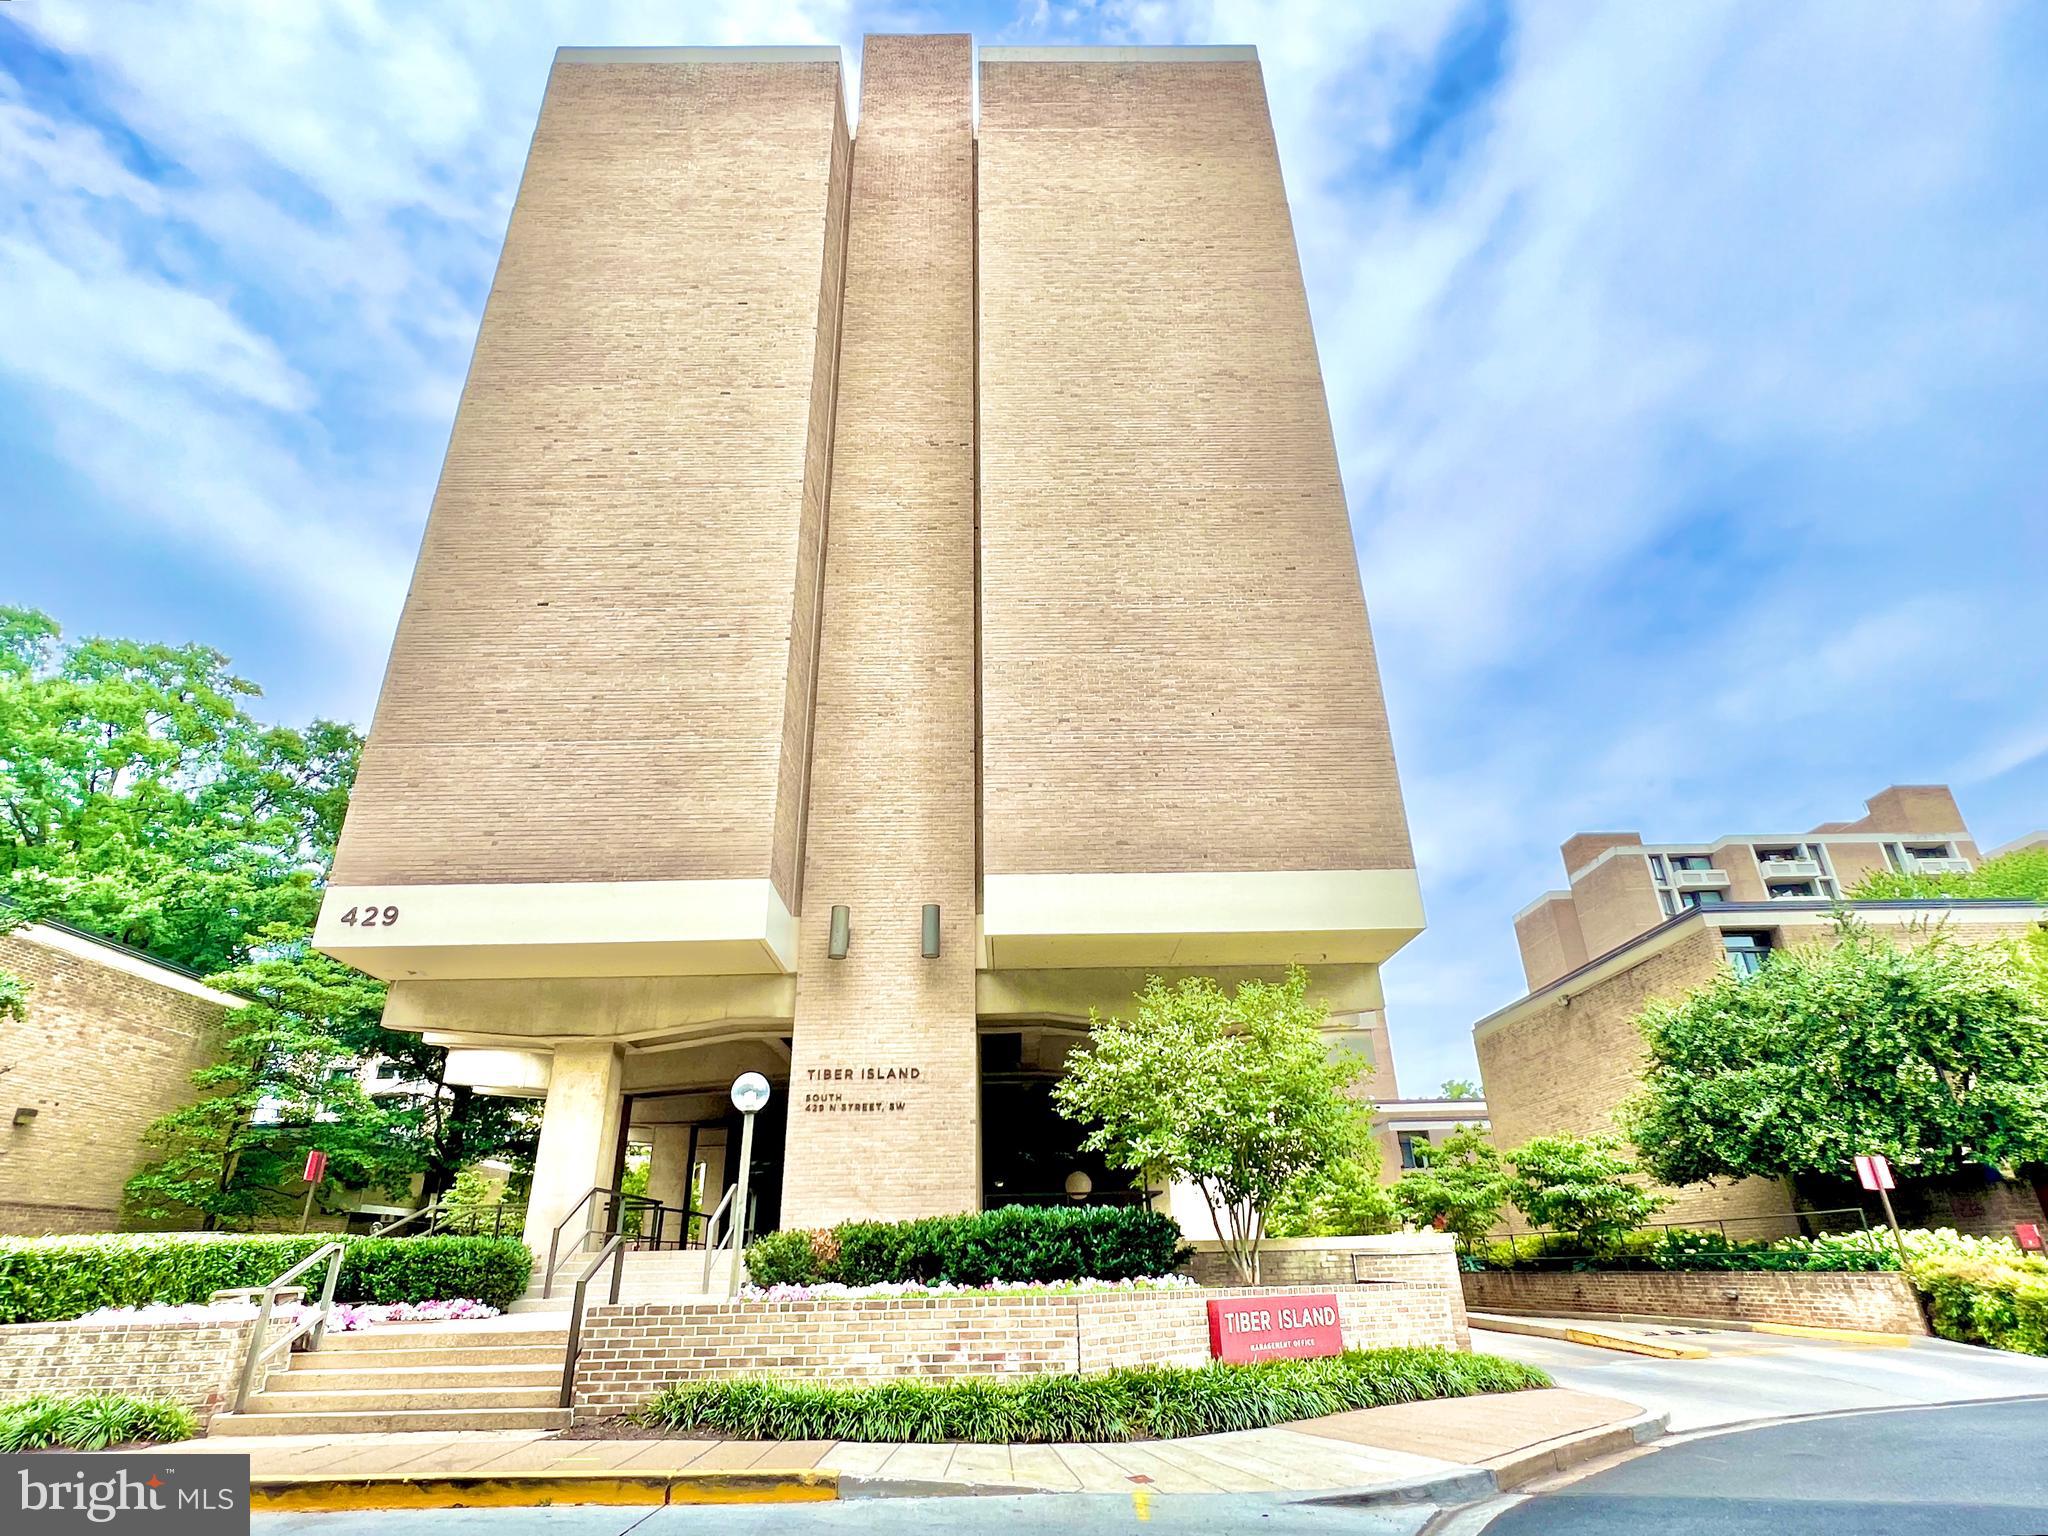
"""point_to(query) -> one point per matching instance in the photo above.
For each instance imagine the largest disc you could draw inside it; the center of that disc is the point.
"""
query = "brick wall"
(615, 594)
(196, 1364)
(630, 1352)
(1550, 941)
(109, 1043)
(1177, 672)
(1882, 1303)
(1567, 1068)
(892, 772)
(1423, 1260)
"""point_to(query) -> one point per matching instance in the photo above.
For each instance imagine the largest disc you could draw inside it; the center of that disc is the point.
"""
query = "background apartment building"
(1621, 886)
(1646, 921)
(886, 596)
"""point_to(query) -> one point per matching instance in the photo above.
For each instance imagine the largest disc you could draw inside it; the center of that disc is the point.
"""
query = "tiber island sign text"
(1275, 1327)
(860, 1082)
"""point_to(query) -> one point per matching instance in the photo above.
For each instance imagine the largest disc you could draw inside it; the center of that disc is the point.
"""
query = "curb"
(1503, 1474)
(394, 1490)
(1498, 1323)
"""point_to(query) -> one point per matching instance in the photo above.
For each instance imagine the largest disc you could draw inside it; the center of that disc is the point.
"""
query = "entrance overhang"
(1201, 918)
(584, 928)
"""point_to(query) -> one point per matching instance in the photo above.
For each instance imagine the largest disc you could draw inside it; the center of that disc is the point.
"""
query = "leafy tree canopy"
(1460, 1189)
(1458, 1088)
(1933, 1053)
(2020, 876)
(1236, 1093)
(1345, 1198)
(140, 800)
(1583, 1186)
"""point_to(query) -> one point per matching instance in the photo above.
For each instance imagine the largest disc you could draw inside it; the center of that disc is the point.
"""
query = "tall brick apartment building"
(939, 528)
(1653, 920)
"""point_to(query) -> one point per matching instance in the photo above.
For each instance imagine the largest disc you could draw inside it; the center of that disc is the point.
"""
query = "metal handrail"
(431, 1208)
(711, 1238)
(615, 1250)
(259, 1349)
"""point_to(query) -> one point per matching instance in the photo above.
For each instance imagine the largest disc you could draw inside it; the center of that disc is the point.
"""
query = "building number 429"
(370, 917)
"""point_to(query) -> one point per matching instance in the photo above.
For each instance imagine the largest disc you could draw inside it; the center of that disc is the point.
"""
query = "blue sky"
(1689, 367)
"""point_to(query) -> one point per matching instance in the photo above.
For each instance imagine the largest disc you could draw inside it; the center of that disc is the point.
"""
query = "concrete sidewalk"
(1449, 1449)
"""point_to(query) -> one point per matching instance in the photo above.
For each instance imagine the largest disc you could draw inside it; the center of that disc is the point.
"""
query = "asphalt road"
(1970, 1469)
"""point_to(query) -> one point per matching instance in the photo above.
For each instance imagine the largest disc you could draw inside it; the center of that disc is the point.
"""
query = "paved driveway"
(1751, 1376)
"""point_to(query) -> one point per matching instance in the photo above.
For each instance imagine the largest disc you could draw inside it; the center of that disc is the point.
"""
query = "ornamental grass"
(90, 1423)
(1140, 1403)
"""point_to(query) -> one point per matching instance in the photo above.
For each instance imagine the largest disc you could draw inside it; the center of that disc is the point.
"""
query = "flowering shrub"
(347, 1317)
(834, 1291)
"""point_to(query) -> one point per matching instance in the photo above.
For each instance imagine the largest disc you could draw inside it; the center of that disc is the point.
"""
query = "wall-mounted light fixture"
(23, 1115)
(931, 930)
(841, 934)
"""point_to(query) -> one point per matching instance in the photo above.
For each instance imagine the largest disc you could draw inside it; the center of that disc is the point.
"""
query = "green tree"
(1458, 1088)
(141, 801)
(1460, 1189)
(287, 1081)
(13, 997)
(1235, 1093)
(2018, 876)
(1345, 1198)
(1933, 1053)
(1582, 1186)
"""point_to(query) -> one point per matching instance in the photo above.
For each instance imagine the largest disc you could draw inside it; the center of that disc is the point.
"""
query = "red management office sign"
(1275, 1327)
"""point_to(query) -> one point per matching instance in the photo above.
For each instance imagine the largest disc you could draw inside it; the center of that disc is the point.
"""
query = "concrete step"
(558, 1304)
(435, 1420)
(336, 1378)
(385, 1401)
(326, 1358)
(449, 1337)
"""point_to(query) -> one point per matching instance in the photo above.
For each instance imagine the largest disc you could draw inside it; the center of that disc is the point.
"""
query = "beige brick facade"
(631, 1352)
(601, 673)
(858, 523)
(108, 1045)
(1158, 477)
(1621, 887)
(892, 820)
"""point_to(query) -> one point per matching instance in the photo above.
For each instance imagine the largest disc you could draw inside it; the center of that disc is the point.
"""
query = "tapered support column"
(579, 1138)
(668, 1177)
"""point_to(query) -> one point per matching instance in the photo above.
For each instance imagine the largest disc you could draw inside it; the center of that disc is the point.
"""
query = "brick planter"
(630, 1352)
(194, 1364)
(1879, 1303)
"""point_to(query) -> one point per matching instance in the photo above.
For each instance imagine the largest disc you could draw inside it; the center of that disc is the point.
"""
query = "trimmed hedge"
(1686, 1250)
(1986, 1301)
(1139, 1403)
(91, 1423)
(46, 1278)
(1012, 1242)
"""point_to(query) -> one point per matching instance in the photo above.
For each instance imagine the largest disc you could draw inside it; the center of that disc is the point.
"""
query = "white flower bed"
(834, 1291)
(347, 1317)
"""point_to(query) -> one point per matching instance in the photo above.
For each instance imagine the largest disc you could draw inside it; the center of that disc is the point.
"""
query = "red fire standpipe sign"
(1275, 1327)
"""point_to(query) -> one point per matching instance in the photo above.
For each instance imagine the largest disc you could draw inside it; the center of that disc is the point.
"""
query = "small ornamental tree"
(1458, 1088)
(1933, 1053)
(1581, 1186)
(1235, 1093)
(1343, 1199)
(1460, 1189)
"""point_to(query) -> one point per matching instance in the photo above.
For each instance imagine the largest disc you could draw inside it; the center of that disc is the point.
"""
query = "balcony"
(1790, 869)
(1941, 866)
(1699, 879)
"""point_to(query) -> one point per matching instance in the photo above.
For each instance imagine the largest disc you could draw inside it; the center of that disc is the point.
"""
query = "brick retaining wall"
(196, 1364)
(630, 1352)
(1882, 1302)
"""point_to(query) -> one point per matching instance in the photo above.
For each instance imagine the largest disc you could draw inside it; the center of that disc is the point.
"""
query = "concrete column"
(579, 1136)
(711, 1153)
(668, 1176)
